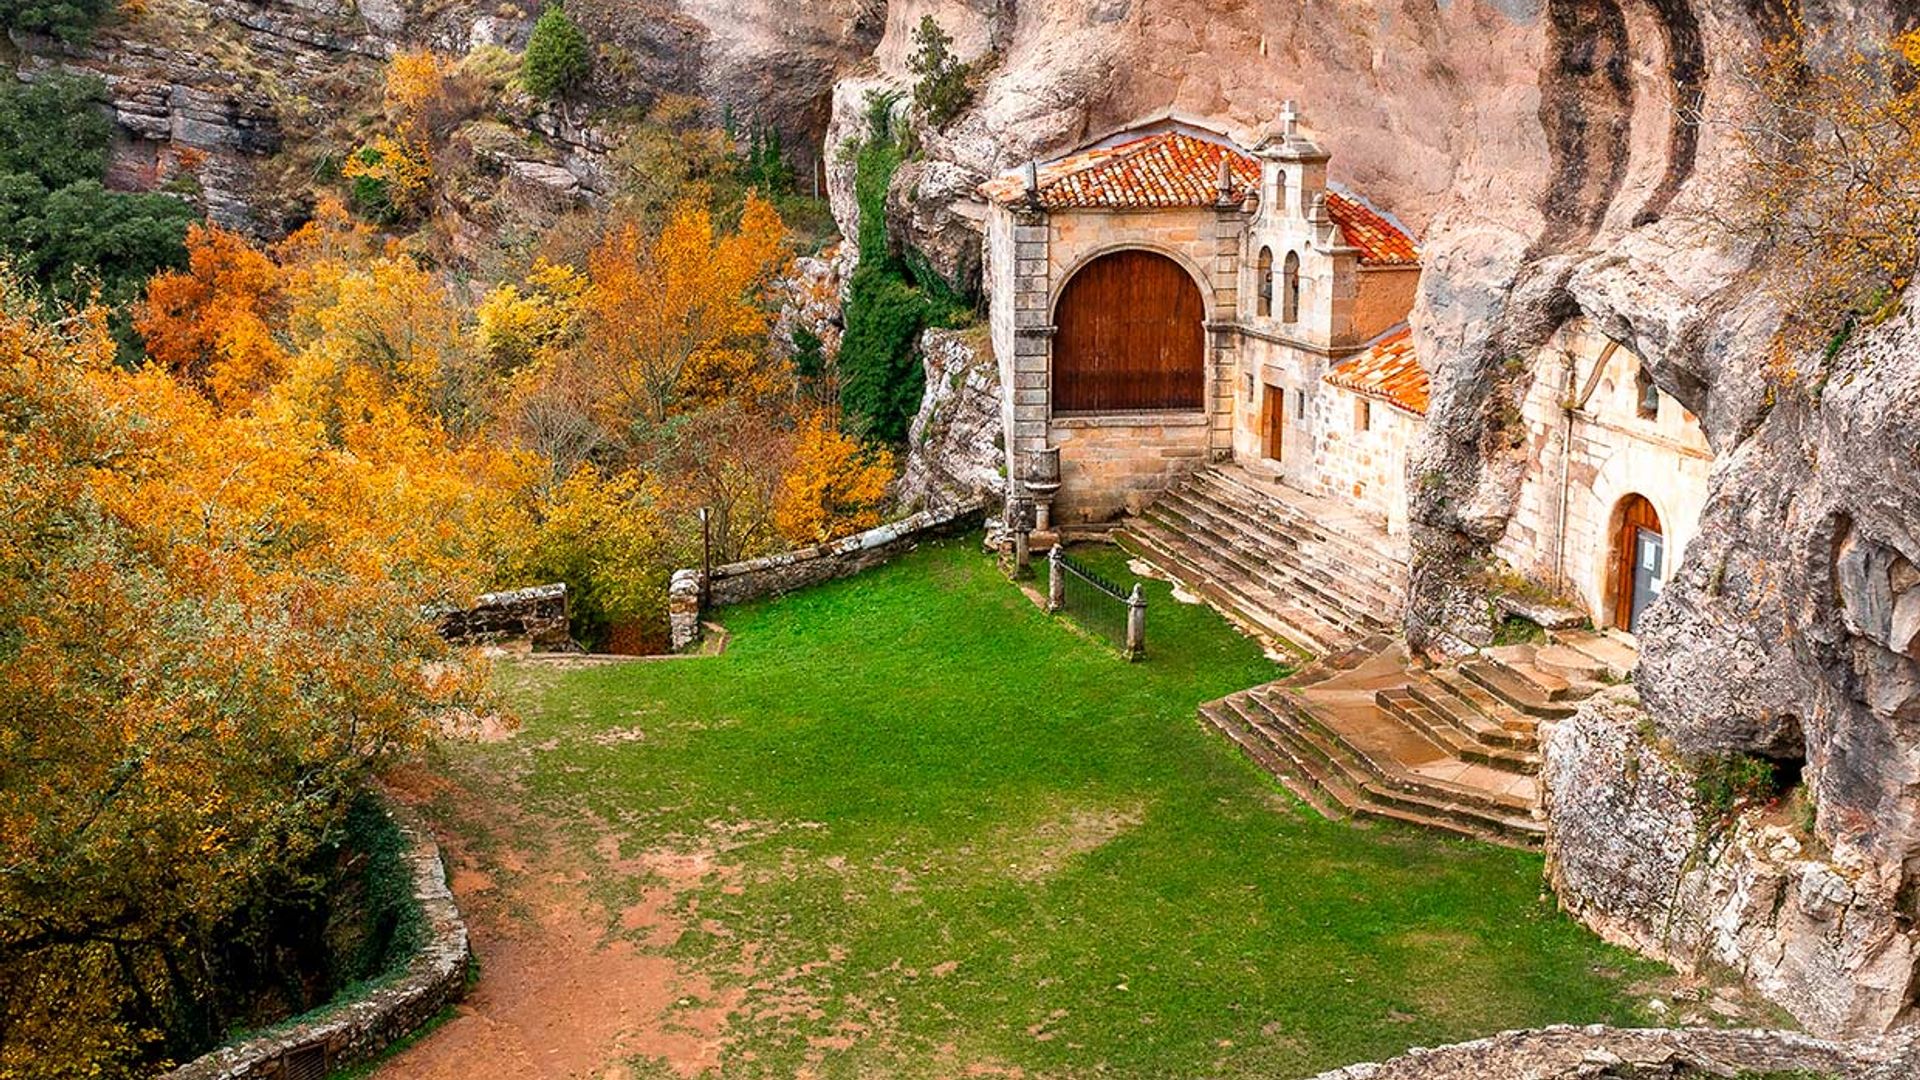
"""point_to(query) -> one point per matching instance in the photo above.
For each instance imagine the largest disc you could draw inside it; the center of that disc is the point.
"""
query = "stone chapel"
(1166, 303)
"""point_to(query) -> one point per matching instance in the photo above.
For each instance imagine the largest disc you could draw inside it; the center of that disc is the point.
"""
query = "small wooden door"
(1273, 423)
(1640, 562)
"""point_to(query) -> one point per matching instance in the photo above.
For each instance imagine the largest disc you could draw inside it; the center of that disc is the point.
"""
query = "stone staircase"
(1304, 570)
(1453, 747)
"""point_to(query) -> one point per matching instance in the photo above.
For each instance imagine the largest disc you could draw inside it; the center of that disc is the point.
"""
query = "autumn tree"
(1831, 188)
(213, 630)
(835, 486)
(217, 323)
(674, 319)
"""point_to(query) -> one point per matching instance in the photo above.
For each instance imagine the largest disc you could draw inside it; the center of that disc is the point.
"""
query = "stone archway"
(1131, 337)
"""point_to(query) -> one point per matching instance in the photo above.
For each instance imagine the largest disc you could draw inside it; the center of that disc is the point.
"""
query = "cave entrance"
(1639, 561)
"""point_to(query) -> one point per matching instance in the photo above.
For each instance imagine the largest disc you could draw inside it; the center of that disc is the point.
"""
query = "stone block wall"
(537, 614)
(683, 610)
(357, 1030)
(737, 583)
(1382, 299)
(1364, 468)
(1279, 364)
(1114, 464)
(1605, 453)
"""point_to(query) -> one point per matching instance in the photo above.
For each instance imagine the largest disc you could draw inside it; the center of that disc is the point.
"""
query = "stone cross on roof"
(1289, 118)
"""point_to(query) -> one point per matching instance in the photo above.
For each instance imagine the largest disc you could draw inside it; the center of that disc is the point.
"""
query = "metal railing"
(1098, 604)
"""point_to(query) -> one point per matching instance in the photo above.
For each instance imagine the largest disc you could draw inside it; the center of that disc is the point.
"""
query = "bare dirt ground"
(568, 987)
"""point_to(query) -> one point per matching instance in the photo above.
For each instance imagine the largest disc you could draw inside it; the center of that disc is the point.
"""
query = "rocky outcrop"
(1603, 1053)
(1633, 855)
(954, 451)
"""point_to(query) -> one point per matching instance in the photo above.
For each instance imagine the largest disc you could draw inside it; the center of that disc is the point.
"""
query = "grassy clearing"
(956, 834)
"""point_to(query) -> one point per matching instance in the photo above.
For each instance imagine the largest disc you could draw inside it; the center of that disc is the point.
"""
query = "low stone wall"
(537, 614)
(1580, 1053)
(347, 1032)
(739, 582)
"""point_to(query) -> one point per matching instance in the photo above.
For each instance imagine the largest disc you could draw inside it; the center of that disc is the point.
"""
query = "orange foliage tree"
(835, 486)
(213, 630)
(216, 322)
(674, 319)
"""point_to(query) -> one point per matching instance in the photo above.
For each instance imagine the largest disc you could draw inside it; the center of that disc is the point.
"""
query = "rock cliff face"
(1540, 149)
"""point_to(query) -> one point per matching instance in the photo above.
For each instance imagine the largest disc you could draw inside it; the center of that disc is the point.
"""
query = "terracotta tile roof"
(1381, 242)
(1388, 371)
(1176, 169)
(1172, 168)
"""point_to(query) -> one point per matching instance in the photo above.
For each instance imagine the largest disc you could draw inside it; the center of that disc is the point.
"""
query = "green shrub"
(72, 21)
(1722, 785)
(557, 59)
(890, 300)
(944, 89)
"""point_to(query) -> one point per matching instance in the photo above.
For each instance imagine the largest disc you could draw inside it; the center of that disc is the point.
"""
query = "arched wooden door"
(1640, 561)
(1130, 337)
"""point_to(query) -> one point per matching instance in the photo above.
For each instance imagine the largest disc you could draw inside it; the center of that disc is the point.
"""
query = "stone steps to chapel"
(1357, 591)
(1441, 727)
(1285, 738)
(1322, 521)
(1352, 609)
(1228, 587)
(1515, 690)
(1483, 717)
(1329, 625)
(1285, 532)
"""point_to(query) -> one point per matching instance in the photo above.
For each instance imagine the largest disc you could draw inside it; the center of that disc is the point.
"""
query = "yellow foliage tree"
(1831, 191)
(215, 323)
(675, 319)
(835, 486)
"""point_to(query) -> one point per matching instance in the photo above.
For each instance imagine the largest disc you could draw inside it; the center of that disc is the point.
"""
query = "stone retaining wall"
(1567, 1053)
(347, 1032)
(537, 614)
(739, 582)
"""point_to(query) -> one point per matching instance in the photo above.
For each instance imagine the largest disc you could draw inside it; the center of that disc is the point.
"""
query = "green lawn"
(985, 839)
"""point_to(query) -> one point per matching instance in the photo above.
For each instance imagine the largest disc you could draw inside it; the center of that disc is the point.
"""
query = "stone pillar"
(1136, 623)
(1032, 334)
(1223, 360)
(1056, 580)
(683, 610)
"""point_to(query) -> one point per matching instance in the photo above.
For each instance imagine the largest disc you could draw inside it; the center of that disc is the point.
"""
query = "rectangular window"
(1362, 415)
(1299, 405)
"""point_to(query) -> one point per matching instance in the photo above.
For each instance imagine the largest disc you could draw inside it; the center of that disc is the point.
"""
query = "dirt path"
(567, 987)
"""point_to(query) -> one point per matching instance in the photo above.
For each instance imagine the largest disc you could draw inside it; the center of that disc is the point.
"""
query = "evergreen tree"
(557, 57)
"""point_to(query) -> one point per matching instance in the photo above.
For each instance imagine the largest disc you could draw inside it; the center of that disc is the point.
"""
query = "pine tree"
(557, 58)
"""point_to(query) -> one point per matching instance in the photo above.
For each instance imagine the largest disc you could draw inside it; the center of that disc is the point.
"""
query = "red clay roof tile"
(1176, 169)
(1388, 371)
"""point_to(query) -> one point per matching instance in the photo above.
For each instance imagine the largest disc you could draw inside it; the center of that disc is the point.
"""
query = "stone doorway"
(1131, 338)
(1273, 423)
(1639, 561)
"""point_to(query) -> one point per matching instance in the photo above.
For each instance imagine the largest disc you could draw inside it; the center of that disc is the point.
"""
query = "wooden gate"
(1131, 337)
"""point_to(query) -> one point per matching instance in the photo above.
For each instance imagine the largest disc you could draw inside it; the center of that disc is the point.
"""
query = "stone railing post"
(683, 609)
(1056, 581)
(1136, 623)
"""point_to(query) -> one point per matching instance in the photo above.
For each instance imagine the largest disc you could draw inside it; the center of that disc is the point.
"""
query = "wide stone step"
(1479, 715)
(1436, 725)
(1382, 770)
(1356, 591)
(1362, 557)
(1321, 521)
(1356, 613)
(1518, 661)
(1347, 781)
(1514, 691)
(1227, 587)
(1616, 657)
(1292, 774)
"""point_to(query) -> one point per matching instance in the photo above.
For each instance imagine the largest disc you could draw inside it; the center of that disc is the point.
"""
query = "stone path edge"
(357, 1029)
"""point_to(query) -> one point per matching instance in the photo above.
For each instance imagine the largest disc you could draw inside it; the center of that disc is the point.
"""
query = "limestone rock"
(954, 450)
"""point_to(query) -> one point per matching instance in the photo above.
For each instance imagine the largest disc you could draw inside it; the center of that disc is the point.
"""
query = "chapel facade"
(1164, 300)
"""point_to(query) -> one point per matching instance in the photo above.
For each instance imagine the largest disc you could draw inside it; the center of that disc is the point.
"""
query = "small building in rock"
(1164, 299)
